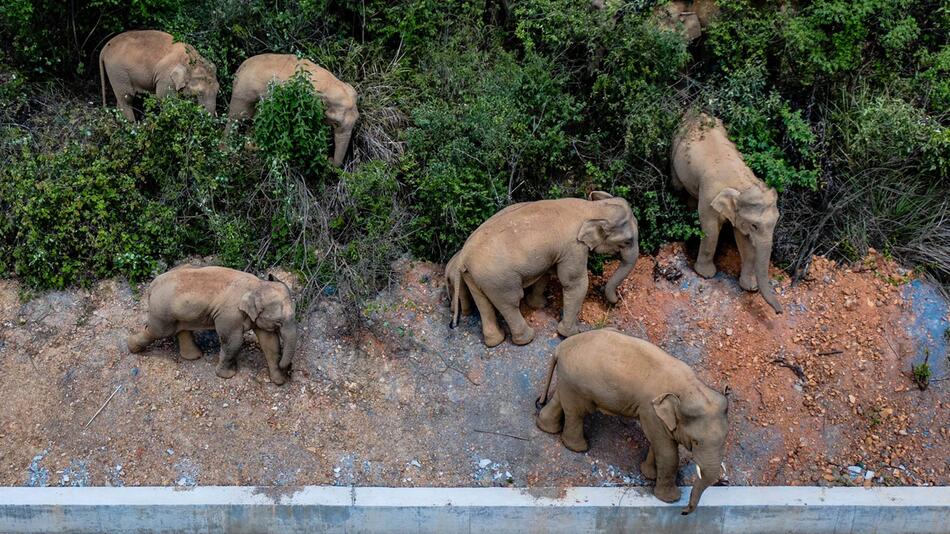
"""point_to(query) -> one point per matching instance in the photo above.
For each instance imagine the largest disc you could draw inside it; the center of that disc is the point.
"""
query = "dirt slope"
(819, 395)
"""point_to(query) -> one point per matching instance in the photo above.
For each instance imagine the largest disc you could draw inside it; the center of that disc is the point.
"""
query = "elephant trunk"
(210, 103)
(288, 340)
(763, 255)
(709, 473)
(629, 257)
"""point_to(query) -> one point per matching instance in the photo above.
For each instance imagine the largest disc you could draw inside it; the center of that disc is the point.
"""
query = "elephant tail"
(102, 80)
(543, 398)
(454, 276)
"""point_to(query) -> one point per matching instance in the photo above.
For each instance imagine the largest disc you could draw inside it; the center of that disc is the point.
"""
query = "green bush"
(290, 127)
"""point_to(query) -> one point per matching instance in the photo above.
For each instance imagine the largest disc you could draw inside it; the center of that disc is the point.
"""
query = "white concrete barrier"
(446, 510)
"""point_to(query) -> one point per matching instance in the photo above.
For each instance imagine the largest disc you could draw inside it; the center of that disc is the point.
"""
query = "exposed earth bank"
(822, 394)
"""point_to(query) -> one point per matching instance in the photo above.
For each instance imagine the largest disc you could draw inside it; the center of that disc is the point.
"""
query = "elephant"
(695, 16)
(518, 247)
(622, 375)
(708, 166)
(339, 98)
(231, 302)
(149, 61)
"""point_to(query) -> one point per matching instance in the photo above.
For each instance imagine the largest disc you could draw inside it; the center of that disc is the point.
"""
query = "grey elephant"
(339, 98)
(690, 18)
(149, 61)
(520, 245)
(231, 302)
(606, 371)
(709, 167)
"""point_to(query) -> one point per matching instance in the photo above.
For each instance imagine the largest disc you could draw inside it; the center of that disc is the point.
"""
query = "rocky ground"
(823, 394)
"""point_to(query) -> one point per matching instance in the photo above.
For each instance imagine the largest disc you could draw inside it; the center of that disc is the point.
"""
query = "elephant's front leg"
(231, 336)
(667, 461)
(573, 277)
(707, 246)
(270, 346)
(747, 279)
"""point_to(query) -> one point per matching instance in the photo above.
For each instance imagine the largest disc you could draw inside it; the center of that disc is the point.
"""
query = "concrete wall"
(497, 510)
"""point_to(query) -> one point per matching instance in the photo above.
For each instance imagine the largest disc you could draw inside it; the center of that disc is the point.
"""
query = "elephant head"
(195, 78)
(677, 16)
(270, 307)
(753, 212)
(612, 229)
(698, 420)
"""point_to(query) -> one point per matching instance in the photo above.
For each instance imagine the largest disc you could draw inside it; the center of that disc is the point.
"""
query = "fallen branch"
(797, 369)
(500, 434)
(831, 352)
(117, 388)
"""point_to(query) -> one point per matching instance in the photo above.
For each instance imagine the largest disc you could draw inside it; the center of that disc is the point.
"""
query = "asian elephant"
(709, 167)
(231, 302)
(516, 249)
(339, 98)
(621, 375)
(689, 18)
(149, 61)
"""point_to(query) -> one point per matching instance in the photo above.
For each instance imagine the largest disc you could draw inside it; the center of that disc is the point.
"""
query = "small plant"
(922, 373)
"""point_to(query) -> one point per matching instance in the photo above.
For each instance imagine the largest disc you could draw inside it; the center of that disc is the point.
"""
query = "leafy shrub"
(290, 127)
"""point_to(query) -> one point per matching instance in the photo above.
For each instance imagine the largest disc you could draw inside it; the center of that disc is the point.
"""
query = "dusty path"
(819, 395)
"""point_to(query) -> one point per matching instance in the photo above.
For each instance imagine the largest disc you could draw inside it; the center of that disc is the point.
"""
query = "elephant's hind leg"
(536, 295)
(187, 347)
(551, 417)
(574, 411)
(510, 308)
(154, 329)
(491, 331)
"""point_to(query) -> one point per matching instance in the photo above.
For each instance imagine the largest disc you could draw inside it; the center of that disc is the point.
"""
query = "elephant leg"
(667, 462)
(231, 339)
(747, 279)
(574, 280)
(510, 307)
(551, 417)
(648, 466)
(270, 346)
(536, 296)
(154, 329)
(707, 246)
(187, 347)
(491, 331)
(574, 411)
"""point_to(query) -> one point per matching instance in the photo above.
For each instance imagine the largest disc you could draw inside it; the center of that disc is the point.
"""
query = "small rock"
(415, 463)
(869, 475)
(170, 452)
(728, 331)
(855, 470)
(484, 462)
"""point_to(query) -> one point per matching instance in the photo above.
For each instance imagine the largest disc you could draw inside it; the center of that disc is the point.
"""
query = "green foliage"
(493, 131)
(290, 127)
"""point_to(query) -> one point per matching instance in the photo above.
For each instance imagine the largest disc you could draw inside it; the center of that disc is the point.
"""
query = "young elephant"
(622, 375)
(517, 247)
(339, 98)
(190, 298)
(148, 61)
(710, 168)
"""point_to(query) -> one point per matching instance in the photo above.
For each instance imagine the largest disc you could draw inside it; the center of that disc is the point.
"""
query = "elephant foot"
(287, 367)
(135, 345)
(191, 353)
(551, 426)
(493, 339)
(706, 269)
(567, 330)
(226, 370)
(524, 337)
(667, 493)
(536, 302)
(748, 282)
(648, 470)
(277, 377)
(575, 444)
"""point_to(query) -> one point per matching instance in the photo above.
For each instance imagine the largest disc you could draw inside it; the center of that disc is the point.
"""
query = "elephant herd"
(151, 62)
(509, 258)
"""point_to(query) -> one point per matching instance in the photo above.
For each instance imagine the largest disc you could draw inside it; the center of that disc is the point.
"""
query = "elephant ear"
(599, 195)
(178, 76)
(251, 304)
(725, 203)
(593, 232)
(667, 406)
